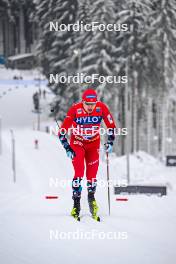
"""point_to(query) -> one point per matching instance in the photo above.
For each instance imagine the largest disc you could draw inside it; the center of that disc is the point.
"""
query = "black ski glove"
(108, 147)
(70, 152)
(109, 144)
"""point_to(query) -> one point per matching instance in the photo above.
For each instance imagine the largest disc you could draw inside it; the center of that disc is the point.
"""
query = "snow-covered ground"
(36, 230)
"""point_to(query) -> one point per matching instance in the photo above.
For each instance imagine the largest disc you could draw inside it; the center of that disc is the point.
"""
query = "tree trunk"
(149, 124)
(134, 113)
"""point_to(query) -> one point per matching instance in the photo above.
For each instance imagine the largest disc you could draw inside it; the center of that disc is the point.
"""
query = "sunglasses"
(90, 103)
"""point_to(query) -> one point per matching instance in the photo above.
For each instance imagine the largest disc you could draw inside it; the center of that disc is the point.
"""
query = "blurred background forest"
(146, 54)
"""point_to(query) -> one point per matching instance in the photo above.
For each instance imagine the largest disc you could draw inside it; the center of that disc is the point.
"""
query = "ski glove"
(70, 152)
(109, 143)
(108, 146)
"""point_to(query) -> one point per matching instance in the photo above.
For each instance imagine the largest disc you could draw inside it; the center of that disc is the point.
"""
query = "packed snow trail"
(29, 224)
(27, 218)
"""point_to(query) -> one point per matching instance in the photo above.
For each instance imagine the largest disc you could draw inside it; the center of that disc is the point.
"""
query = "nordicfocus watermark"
(81, 26)
(79, 234)
(81, 78)
(86, 132)
(57, 183)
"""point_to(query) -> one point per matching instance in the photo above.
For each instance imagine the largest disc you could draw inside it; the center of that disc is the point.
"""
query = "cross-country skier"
(85, 118)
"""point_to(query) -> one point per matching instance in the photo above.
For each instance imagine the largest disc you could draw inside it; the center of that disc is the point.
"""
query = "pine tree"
(132, 50)
(43, 15)
(60, 52)
(164, 24)
(102, 44)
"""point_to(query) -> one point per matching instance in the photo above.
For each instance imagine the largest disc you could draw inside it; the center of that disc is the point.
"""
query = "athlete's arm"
(67, 123)
(107, 117)
(110, 124)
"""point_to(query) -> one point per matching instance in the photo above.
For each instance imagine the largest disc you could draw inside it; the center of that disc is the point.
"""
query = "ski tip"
(77, 218)
(97, 218)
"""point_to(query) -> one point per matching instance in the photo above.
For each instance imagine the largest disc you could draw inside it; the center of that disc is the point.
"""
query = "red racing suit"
(85, 137)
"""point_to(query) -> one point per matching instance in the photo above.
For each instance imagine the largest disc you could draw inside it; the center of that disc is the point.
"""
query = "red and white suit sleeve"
(107, 117)
(68, 121)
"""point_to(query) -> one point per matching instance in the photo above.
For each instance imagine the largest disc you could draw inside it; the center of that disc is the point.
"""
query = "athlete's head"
(89, 99)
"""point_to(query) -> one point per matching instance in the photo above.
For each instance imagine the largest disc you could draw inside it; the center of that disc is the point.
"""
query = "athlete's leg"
(92, 161)
(92, 164)
(78, 164)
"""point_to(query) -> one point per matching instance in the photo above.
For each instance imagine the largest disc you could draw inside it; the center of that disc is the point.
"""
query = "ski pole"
(52, 111)
(109, 202)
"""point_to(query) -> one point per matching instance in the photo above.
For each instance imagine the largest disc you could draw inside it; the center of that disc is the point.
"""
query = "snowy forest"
(146, 53)
(63, 199)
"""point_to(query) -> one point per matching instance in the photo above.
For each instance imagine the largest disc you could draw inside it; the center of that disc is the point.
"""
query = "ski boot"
(76, 209)
(76, 186)
(93, 207)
